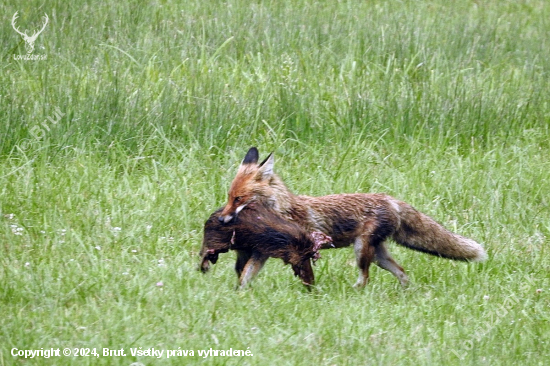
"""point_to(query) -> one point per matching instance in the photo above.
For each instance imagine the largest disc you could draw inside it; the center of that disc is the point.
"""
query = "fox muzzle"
(226, 219)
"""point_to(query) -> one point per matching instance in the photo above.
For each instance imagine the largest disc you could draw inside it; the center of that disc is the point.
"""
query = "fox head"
(251, 183)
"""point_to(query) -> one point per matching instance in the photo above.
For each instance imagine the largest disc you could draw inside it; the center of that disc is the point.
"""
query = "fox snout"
(225, 219)
(228, 214)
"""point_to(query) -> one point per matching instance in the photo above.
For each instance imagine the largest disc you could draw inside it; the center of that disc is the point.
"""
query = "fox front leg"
(251, 268)
(243, 256)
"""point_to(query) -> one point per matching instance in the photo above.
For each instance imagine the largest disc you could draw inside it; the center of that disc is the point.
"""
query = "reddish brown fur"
(366, 220)
(258, 234)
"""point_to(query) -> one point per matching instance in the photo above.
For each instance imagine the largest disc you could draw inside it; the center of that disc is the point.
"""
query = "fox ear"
(251, 156)
(266, 168)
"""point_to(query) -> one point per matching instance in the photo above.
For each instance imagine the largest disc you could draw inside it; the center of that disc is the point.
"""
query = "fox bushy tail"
(420, 232)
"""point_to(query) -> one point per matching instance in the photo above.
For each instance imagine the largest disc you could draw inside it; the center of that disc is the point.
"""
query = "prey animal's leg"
(305, 272)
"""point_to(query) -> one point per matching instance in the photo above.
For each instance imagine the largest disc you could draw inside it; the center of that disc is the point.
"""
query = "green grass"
(444, 106)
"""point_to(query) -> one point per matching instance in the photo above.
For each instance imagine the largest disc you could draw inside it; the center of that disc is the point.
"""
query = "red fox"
(366, 220)
(257, 235)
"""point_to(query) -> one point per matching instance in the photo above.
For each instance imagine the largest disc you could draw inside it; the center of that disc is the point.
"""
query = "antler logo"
(29, 40)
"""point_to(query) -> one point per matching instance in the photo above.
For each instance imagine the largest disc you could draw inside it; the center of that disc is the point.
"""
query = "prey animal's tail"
(418, 231)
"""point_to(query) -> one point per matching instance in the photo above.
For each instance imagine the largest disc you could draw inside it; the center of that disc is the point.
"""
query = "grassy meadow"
(116, 148)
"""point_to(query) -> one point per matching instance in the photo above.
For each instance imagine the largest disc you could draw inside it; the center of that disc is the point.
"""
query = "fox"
(364, 220)
(256, 235)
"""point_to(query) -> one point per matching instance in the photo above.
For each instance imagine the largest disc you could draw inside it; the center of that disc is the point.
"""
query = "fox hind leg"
(385, 261)
(364, 254)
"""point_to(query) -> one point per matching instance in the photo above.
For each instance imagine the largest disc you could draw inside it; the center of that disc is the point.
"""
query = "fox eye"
(238, 199)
